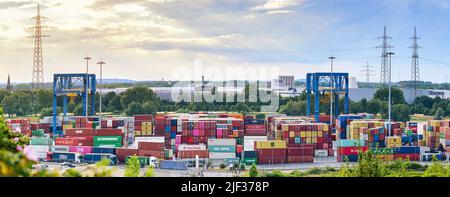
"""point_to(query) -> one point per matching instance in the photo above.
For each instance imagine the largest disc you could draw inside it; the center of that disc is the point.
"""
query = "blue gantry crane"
(321, 84)
(69, 85)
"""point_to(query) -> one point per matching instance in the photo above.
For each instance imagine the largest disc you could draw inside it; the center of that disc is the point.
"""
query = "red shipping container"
(271, 152)
(151, 153)
(79, 131)
(151, 146)
(300, 159)
(66, 141)
(143, 117)
(121, 153)
(190, 154)
(108, 132)
(351, 150)
(300, 151)
(271, 160)
(255, 126)
(411, 157)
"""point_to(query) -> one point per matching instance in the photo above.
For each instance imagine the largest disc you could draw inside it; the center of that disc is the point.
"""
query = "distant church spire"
(8, 84)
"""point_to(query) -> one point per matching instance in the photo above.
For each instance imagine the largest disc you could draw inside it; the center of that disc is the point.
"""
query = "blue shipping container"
(349, 158)
(173, 165)
(250, 154)
(96, 157)
(104, 150)
(407, 150)
(63, 157)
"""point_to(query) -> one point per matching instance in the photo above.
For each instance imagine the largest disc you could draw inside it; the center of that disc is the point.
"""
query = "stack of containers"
(80, 136)
(112, 123)
(385, 154)
(43, 126)
(347, 150)
(317, 134)
(436, 133)
(413, 126)
(255, 127)
(271, 152)
(189, 151)
(151, 149)
(37, 133)
(354, 131)
(143, 125)
(375, 137)
(237, 128)
(275, 130)
(393, 141)
(446, 140)
(341, 125)
(24, 125)
(197, 131)
(223, 131)
(174, 125)
(128, 126)
(411, 153)
(221, 149)
(83, 122)
(397, 128)
(300, 154)
(39, 146)
(160, 125)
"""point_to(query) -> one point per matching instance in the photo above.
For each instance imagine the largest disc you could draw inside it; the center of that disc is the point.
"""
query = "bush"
(222, 166)
(132, 167)
(242, 167)
(253, 171)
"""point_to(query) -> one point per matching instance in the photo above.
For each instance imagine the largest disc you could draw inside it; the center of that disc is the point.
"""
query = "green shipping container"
(108, 141)
(222, 149)
(37, 133)
(40, 141)
(249, 161)
(383, 151)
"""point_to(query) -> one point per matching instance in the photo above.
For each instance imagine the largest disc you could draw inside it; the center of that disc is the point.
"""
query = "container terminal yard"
(325, 123)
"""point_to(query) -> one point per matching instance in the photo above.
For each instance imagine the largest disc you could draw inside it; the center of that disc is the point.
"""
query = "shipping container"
(108, 141)
(221, 155)
(270, 144)
(173, 165)
(109, 132)
(121, 153)
(104, 150)
(221, 142)
(97, 157)
(79, 131)
(39, 151)
(66, 157)
(81, 149)
(300, 159)
(221, 149)
(151, 146)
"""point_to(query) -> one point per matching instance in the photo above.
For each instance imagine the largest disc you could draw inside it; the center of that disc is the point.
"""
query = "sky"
(153, 39)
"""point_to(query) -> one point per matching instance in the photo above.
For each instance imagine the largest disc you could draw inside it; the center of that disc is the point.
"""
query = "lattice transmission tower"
(415, 75)
(367, 72)
(386, 48)
(38, 61)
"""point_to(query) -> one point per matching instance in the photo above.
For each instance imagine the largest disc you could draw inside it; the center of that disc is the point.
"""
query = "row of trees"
(141, 100)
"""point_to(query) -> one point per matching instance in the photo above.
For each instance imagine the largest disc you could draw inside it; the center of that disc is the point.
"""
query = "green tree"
(115, 103)
(401, 112)
(253, 171)
(134, 108)
(46, 112)
(396, 95)
(10, 104)
(132, 167)
(439, 114)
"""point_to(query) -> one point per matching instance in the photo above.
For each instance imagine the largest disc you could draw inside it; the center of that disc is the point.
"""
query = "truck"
(61, 157)
(91, 158)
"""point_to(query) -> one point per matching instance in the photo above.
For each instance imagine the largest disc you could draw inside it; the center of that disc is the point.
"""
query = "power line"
(367, 72)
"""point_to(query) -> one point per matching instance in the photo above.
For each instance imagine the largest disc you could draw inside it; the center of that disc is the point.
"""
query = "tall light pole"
(331, 90)
(390, 96)
(87, 84)
(101, 87)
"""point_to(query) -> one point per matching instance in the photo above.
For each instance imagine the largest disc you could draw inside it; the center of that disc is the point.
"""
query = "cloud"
(279, 12)
(271, 5)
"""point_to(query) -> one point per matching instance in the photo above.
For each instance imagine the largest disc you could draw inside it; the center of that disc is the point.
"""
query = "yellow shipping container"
(325, 127)
(146, 133)
(271, 144)
(314, 140)
(291, 134)
(308, 140)
(393, 141)
(320, 134)
(308, 134)
(137, 132)
(146, 124)
(285, 127)
(385, 157)
(303, 133)
(314, 134)
(69, 126)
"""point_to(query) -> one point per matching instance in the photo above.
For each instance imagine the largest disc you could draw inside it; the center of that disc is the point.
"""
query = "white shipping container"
(149, 139)
(214, 155)
(191, 147)
(321, 153)
(221, 142)
(38, 151)
(249, 142)
(60, 148)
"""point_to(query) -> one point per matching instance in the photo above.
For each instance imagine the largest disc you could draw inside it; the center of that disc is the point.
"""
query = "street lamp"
(87, 83)
(331, 90)
(390, 98)
(101, 87)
